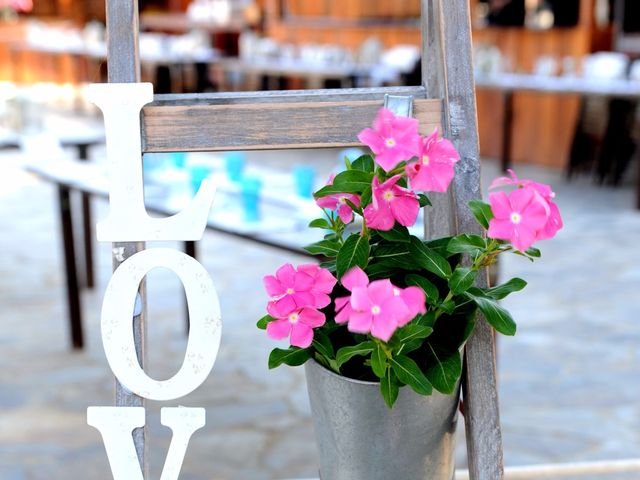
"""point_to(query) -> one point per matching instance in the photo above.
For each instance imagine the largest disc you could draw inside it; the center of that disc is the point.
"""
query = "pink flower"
(518, 216)
(323, 283)
(433, 171)
(336, 202)
(390, 203)
(414, 299)
(393, 139)
(554, 221)
(292, 290)
(378, 307)
(298, 324)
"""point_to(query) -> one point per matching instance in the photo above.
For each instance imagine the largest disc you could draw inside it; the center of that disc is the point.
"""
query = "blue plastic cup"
(251, 198)
(178, 160)
(303, 178)
(197, 173)
(234, 165)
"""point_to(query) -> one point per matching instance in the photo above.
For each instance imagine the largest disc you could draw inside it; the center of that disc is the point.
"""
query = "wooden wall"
(543, 124)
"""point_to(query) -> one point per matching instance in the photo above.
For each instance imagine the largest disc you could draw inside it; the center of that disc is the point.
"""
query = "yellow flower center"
(342, 200)
(426, 159)
(388, 195)
(290, 291)
(375, 310)
(293, 318)
(516, 218)
(390, 142)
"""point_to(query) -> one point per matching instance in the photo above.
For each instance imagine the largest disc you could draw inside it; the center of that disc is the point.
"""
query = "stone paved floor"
(569, 381)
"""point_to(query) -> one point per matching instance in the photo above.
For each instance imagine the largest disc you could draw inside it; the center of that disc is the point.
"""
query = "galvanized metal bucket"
(360, 438)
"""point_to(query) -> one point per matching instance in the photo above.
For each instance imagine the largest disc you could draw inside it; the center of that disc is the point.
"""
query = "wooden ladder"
(333, 118)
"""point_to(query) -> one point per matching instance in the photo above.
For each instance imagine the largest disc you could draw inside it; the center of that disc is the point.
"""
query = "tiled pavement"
(569, 381)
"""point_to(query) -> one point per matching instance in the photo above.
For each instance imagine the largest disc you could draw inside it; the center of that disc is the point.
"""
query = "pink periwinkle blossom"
(377, 307)
(336, 202)
(554, 220)
(434, 169)
(298, 325)
(393, 139)
(391, 202)
(292, 289)
(518, 216)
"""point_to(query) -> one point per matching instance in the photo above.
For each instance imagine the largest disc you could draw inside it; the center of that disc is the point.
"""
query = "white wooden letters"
(128, 221)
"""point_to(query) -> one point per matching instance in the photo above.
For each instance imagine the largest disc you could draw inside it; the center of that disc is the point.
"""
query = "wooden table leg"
(87, 224)
(507, 131)
(189, 249)
(73, 292)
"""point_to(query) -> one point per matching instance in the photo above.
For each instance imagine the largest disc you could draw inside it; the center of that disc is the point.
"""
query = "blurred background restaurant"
(224, 45)
(557, 83)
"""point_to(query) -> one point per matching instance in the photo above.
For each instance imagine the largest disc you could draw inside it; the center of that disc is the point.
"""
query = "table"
(349, 74)
(284, 225)
(81, 54)
(511, 83)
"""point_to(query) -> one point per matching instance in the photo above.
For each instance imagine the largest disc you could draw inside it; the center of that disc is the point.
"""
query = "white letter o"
(204, 332)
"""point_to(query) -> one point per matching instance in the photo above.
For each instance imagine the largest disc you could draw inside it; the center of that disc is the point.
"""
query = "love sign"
(128, 221)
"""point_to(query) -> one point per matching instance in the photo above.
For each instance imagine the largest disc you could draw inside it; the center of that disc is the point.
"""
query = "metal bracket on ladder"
(400, 105)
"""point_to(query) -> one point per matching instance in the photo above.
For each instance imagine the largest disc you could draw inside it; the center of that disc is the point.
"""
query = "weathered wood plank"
(123, 66)
(448, 74)
(268, 126)
(283, 96)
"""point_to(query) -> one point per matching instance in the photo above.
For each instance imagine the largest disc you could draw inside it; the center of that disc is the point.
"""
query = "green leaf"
(412, 331)
(347, 163)
(364, 163)
(395, 255)
(292, 356)
(428, 259)
(355, 251)
(347, 353)
(501, 291)
(482, 212)
(389, 388)
(322, 344)
(320, 223)
(378, 361)
(429, 289)
(461, 279)
(443, 369)
(350, 181)
(365, 198)
(398, 233)
(498, 317)
(424, 200)
(262, 323)
(329, 248)
(448, 307)
(466, 244)
(408, 372)
(533, 252)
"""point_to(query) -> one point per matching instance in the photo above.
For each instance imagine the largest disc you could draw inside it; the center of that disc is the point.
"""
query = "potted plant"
(382, 320)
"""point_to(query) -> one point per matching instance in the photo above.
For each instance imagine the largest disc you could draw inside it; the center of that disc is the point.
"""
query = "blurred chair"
(602, 142)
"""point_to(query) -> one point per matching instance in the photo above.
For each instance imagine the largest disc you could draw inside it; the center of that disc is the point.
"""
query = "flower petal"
(285, 275)
(311, 317)
(279, 329)
(273, 286)
(405, 210)
(301, 335)
(355, 277)
(360, 322)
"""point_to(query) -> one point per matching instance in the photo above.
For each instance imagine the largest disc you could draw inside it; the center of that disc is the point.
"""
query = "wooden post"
(123, 66)
(448, 74)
